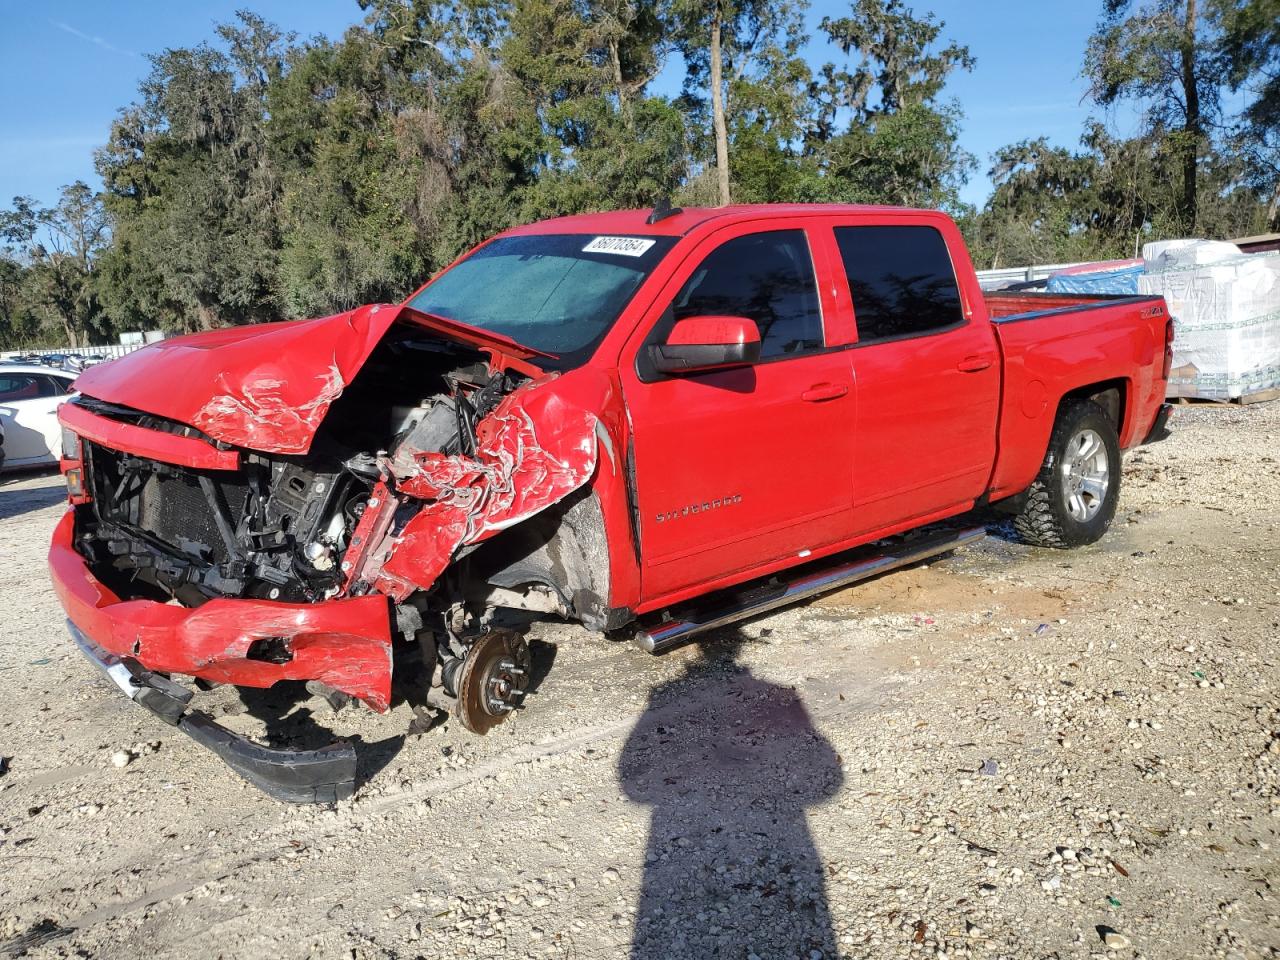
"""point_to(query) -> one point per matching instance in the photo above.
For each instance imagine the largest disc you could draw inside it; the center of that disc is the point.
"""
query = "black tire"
(1045, 518)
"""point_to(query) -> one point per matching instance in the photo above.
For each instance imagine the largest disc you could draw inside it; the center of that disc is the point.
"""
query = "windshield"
(559, 293)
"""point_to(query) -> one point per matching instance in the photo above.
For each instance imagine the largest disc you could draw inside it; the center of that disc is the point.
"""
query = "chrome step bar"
(751, 601)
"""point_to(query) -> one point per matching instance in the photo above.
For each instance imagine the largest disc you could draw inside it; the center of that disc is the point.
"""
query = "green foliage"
(1166, 56)
(49, 276)
(191, 188)
(1250, 52)
(897, 58)
(258, 176)
(1053, 205)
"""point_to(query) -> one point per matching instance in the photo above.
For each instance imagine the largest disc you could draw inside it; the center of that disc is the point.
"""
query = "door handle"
(973, 364)
(824, 391)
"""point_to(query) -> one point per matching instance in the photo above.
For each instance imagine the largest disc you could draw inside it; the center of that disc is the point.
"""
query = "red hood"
(266, 387)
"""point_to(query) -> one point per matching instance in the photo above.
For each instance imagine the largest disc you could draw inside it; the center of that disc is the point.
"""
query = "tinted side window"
(901, 280)
(767, 277)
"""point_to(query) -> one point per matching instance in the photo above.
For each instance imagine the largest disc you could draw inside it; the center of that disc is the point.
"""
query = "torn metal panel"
(531, 452)
(255, 375)
(265, 414)
(343, 643)
(268, 387)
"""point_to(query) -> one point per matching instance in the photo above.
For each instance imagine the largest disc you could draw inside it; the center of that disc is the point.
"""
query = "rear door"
(735, 469)
(927, 375)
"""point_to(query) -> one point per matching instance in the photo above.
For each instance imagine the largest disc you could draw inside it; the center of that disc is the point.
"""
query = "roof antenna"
(661, 210)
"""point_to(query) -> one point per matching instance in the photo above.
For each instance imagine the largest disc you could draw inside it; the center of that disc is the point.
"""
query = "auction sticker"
(622, 246)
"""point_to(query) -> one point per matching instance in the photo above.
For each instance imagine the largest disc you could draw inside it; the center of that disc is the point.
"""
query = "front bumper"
(344, 643)
(325, 775)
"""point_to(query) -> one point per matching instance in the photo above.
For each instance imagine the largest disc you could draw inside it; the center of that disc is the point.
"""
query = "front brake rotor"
(493, 680)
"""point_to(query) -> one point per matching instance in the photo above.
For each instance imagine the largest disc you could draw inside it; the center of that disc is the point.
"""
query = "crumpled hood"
(265, 387)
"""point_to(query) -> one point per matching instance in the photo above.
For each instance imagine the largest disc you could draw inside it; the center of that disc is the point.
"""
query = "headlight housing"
(70, 444)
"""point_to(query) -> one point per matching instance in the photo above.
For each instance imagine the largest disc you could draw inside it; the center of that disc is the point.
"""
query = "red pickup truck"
(662, 421)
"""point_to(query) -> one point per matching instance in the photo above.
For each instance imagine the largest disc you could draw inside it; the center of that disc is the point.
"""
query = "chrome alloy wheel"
(1086, 475)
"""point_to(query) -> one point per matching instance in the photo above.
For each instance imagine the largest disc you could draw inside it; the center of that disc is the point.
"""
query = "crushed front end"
(262, 545)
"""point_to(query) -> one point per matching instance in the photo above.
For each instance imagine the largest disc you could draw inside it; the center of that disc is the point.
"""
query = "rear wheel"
(1073, 499)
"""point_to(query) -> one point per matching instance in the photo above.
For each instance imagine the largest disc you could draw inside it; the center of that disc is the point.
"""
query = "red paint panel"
(268, 387)
(152, 444)
(344, 643)
(735, 469)
(1058, 353)
(695, 331)
(925, 437)
(265, 387)
(532, 451)
(1000, 304)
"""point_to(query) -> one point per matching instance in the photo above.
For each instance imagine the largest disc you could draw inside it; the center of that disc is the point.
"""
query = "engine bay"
(279, 527)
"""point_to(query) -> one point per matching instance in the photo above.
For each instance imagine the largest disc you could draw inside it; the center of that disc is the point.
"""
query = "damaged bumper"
(344, 643)
(325, 775)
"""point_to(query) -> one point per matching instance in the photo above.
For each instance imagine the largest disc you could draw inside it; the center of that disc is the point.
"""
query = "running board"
(753, 601)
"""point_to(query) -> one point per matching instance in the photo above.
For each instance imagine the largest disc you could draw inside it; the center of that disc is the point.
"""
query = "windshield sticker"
(622, 246)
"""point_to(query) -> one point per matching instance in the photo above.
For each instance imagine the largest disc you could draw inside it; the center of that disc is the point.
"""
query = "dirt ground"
(1011, 752)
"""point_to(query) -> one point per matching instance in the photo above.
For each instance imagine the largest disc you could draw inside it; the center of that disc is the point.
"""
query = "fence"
(108, 352)
(994, 278)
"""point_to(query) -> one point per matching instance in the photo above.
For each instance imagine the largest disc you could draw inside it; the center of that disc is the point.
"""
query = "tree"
(897, 60)
(1053, 205)
(1251, 51)
(734, 47)
(193, 196)
(878, 131)
(584, 67)
(1164, 54)
(47, 272)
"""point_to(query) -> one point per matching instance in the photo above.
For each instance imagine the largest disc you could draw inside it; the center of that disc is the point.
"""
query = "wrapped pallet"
(1117, 280)
(1226, 308)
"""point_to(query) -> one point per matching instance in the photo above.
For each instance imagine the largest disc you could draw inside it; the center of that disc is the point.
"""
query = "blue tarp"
(1124, 280)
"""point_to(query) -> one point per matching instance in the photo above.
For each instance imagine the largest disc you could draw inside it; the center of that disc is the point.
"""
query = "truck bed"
(1051, 343)
(1005, 306)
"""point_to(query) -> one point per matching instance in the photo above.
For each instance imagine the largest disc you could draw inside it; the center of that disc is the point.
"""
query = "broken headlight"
(70, 444)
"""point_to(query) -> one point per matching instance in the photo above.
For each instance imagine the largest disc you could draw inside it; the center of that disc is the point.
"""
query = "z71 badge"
(693, 508)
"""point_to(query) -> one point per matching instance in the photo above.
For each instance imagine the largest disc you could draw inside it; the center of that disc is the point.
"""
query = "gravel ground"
(1011, 752)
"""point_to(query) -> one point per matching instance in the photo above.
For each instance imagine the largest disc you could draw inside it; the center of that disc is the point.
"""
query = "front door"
(739, 468)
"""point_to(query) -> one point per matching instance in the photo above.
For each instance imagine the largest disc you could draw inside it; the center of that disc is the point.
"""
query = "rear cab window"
(901, 281)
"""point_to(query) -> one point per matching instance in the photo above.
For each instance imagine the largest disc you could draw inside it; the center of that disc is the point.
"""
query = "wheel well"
(1110, 395)
(564, 548)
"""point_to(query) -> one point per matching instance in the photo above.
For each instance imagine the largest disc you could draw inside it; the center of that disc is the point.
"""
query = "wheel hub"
(493, 680)
(1086, 475)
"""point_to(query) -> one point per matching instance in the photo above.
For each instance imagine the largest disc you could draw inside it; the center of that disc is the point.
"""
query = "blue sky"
(67, 66)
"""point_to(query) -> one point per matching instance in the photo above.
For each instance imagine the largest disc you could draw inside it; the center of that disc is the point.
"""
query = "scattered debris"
(1112, 939)
(37, 935)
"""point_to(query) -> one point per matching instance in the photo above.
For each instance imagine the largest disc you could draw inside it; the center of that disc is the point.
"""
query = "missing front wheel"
(491, 681)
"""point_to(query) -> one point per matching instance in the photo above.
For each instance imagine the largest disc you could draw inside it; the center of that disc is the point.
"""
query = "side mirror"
(696, 344)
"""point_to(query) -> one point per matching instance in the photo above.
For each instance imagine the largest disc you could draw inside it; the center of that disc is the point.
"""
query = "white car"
(29, 399)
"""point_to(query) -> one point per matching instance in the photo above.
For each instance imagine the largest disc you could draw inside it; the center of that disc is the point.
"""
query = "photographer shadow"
(731, 869)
